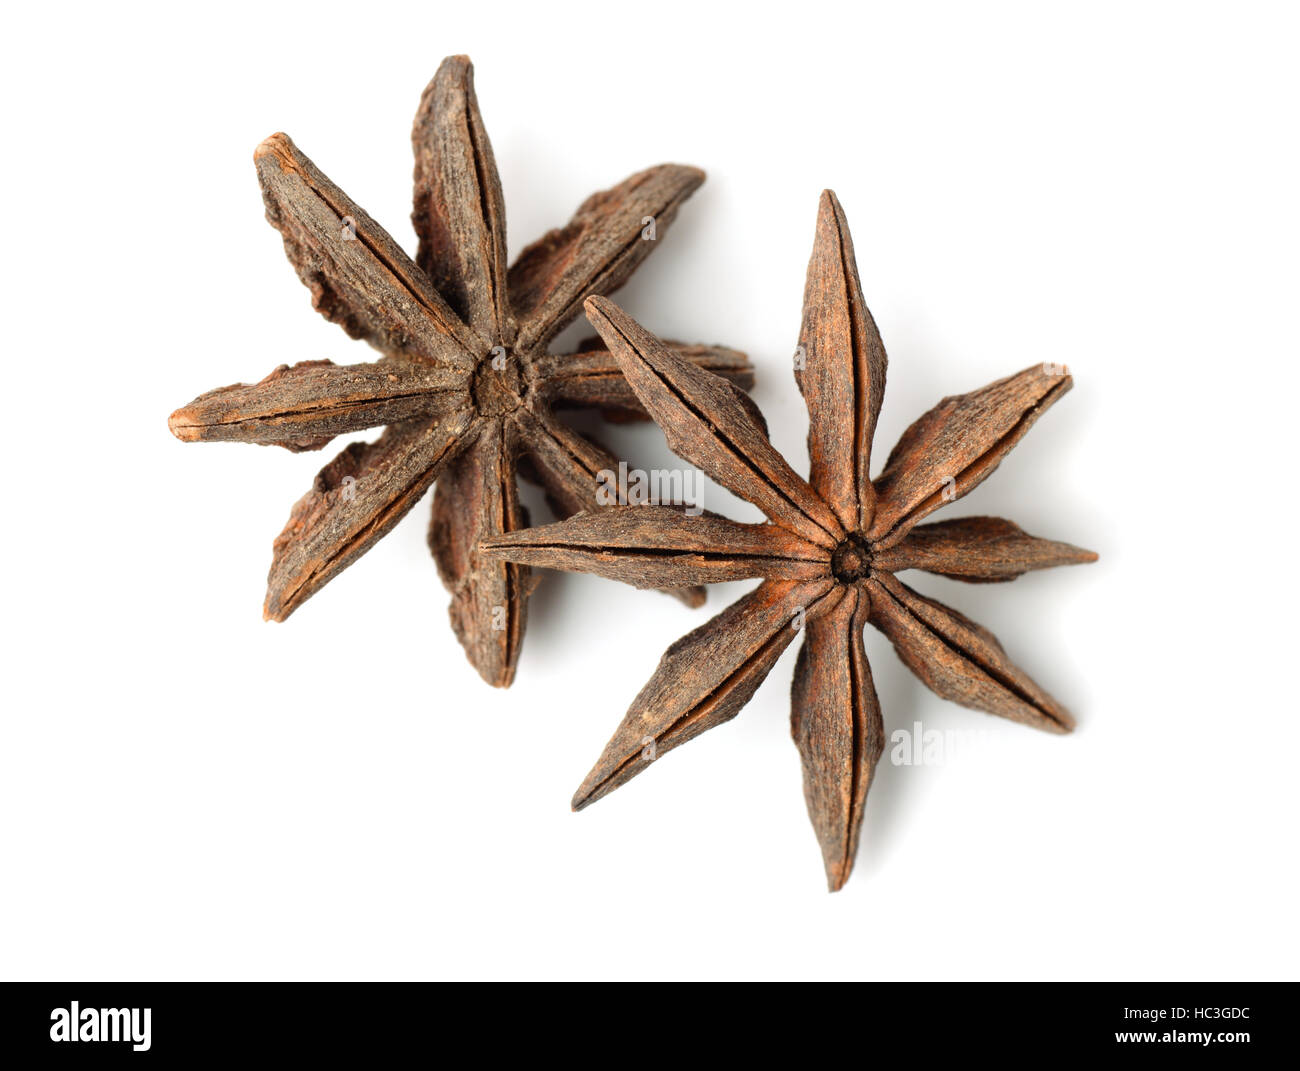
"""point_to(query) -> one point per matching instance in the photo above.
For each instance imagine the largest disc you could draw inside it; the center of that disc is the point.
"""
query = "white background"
(186, 792)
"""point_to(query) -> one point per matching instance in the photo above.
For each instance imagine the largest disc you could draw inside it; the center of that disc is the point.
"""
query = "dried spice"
(466, 387)
(827, 556)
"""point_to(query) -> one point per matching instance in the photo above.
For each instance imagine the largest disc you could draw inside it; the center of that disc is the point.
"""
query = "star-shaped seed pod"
(828, 555)
(466, 385)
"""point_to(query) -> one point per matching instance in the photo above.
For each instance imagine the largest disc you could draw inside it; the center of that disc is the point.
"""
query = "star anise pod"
(827, 556)
(466, 385)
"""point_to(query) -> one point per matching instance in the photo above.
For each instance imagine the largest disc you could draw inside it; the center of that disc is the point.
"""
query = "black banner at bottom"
(163, 1022)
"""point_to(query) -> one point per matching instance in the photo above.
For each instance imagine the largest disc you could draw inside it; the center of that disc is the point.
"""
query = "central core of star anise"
(851, 560)
(497, 387)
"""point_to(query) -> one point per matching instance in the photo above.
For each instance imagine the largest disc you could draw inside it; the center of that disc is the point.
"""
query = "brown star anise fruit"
(827, 556)
(466, 386)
